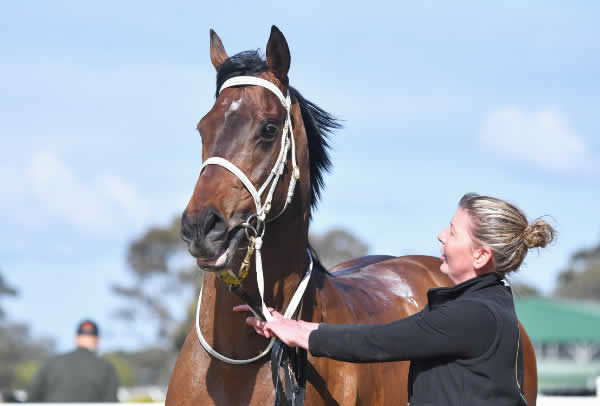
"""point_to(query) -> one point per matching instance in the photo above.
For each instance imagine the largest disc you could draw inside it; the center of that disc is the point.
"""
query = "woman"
(464, 346)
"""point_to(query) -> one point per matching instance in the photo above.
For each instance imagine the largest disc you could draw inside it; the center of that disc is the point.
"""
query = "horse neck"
(284, 258)
(284, 261)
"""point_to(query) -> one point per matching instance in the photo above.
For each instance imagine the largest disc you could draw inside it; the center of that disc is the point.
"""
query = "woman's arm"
(453, 331)
(460, 330)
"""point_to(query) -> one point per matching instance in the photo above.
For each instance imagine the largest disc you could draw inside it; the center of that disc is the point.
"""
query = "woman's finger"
(275, 314)
(260, 327)
(254, 322)
(241, 308)
(260, 331)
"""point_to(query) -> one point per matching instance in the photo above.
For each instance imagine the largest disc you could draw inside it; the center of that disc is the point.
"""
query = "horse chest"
(200, 380)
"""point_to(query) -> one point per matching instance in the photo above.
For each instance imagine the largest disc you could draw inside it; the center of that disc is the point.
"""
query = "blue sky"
(100, 101)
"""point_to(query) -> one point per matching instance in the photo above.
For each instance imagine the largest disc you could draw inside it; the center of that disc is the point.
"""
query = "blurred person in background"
(78, 376)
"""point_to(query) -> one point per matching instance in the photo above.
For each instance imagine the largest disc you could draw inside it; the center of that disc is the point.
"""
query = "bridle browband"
(255, 232)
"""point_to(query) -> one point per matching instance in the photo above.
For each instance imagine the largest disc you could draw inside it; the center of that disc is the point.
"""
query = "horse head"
(263, 136)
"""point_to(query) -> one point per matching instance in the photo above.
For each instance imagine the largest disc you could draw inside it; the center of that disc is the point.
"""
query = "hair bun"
(538, 234)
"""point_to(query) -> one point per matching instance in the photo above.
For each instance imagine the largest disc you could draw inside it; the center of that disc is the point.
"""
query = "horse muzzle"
(210, 240)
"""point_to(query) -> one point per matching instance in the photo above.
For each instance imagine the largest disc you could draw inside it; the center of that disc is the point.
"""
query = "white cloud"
(543, 139)
(125, 196)
(98, 205)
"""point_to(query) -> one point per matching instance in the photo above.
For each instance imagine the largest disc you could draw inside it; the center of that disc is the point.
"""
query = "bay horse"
(242, 130)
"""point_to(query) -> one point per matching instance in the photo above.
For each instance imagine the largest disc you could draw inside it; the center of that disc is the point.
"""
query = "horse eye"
(270, 131)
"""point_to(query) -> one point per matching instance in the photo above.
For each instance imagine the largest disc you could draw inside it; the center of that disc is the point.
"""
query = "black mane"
(318, 123)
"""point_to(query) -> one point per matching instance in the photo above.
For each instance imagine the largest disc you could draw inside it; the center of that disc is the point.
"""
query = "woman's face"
(458, 249)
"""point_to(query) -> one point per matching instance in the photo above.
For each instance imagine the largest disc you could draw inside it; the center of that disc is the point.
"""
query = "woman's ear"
(482, 257)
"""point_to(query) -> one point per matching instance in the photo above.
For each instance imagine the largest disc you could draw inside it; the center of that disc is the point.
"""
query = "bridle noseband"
(255, 225)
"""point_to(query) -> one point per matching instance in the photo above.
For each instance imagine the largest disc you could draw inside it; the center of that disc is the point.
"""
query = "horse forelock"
(244, 63)
(319, 124)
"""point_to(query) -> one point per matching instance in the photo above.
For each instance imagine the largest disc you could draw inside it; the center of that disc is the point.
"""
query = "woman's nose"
(442, 236)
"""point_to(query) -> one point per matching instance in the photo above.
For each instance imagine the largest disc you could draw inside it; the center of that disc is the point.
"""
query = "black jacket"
(78, 376)
(464, 346)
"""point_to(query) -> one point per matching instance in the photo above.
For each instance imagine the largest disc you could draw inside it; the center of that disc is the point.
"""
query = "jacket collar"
(437, 296)
(84, 350)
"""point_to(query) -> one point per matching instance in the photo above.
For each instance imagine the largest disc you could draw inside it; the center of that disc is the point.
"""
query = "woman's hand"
(293, 333)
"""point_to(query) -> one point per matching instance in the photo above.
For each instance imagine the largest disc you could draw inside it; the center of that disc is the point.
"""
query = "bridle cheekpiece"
(255, 225)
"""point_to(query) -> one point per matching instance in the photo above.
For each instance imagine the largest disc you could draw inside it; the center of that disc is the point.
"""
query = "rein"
(255, 233)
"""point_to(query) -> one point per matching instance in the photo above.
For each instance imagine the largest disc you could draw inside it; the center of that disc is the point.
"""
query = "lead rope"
(293, 362)
(255, 241)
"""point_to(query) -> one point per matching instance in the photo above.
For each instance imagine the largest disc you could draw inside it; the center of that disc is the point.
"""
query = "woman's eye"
(270, 130)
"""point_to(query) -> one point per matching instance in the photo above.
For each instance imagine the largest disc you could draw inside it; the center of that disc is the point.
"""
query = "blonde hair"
(504, 229)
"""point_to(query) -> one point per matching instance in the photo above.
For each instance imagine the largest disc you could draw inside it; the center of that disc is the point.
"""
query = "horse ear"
(278, 55)
(217, 51)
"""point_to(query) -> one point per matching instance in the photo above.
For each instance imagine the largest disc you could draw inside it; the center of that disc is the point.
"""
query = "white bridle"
(262, 210)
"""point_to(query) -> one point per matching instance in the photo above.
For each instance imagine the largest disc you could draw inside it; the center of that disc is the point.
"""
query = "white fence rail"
(568, 401)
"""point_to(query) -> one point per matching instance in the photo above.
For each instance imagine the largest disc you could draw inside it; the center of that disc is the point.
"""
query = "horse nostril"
(187, 231)
(205, 232)
(209, 223)
(213, 225)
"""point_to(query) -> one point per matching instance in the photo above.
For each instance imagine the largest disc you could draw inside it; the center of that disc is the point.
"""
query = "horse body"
(381, 291)
(370, 292)
(375, 289)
